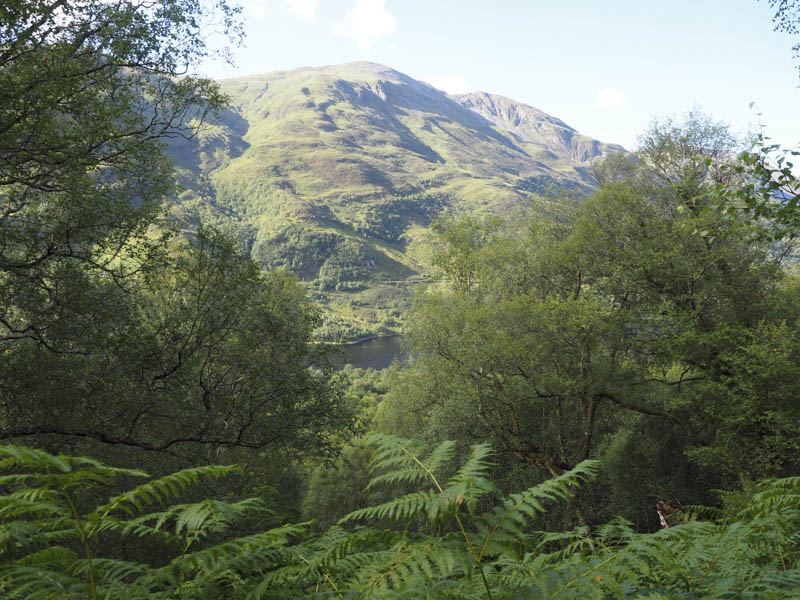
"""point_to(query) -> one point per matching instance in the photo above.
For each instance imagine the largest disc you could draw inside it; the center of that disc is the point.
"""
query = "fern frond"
(211, 515)
(392, 452)
(109, 570)
(774, 582)
(416, 559)
(158, 490)
(408, 476)
(338, 544)
(12, 457)
(62, 472)
(772, 496)
(470, 480)
(561, 545)
(407, 508)
(32, 503)
(140, 527)
(53, 554)
(505, 524)
(616, 532)
(440, 457)
(399, 458)
(21, 582)
(209, 559)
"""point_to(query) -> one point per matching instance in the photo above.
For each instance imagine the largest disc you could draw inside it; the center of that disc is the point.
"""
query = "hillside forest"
(598, 397)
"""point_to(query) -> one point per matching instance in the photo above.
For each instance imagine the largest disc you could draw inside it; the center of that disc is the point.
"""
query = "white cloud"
(302, 9)
(610, 97)
(255, 8)
(451, 84)
(367, 22)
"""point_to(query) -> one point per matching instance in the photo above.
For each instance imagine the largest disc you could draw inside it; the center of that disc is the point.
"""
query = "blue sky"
(604, 67)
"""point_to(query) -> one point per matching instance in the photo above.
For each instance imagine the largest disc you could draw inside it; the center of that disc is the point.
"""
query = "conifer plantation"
(599, 392)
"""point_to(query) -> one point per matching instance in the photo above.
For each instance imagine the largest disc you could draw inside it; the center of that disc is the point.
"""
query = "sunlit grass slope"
(336, 172)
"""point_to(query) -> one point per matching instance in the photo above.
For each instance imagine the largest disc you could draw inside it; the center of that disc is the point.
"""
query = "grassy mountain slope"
(336, 172)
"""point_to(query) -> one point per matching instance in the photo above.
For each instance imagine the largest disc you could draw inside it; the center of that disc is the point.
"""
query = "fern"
(502, 527)
(431, 542)
(460, 556)
(41, 528)
(158, 490)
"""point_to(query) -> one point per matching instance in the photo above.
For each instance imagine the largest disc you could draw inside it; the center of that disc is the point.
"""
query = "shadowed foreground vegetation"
(450, 535)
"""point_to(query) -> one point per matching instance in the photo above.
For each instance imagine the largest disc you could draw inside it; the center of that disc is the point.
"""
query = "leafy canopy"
(90, 90)
(148, 340)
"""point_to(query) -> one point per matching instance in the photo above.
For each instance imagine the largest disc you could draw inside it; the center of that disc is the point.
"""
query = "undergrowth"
(452, 536)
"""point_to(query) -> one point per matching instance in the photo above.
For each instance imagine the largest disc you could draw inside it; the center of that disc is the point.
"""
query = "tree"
(581, 323)
(146, 341)
(209, 352)
(688, 153)
(769, 195)
(787, 20)
(89, 89)
(765, 196)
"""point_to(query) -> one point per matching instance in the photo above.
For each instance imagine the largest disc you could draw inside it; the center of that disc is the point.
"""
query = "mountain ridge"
(335, 173)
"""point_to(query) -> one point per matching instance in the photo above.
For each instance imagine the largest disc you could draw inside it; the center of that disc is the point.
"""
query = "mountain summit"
(335, 172)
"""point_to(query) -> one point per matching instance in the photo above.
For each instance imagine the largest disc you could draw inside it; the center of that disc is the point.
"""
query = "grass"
(356, 160)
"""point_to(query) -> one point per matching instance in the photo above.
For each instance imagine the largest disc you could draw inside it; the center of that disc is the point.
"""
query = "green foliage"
(210, 352)
(389, 219)
(643, 309)
(457, 249)
(346, 269)
(687, 154)
(149, 341)
(338, 487)
(90, 92)
(765, 195)
(297, 249)
(450, 538)
(397, 558)
(743, 554)
(49, 540)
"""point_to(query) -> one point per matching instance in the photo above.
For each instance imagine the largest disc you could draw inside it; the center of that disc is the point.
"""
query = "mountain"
(336, 172)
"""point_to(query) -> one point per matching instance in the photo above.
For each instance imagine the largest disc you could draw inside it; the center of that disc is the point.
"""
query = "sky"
(605, 67)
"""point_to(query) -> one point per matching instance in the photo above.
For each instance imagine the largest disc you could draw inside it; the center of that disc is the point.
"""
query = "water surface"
(378, 352)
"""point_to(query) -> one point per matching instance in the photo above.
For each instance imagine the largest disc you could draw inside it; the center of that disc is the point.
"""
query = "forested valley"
(598, 398)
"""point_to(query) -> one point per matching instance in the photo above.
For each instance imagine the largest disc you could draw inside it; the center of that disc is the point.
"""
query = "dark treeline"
(600, 398)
